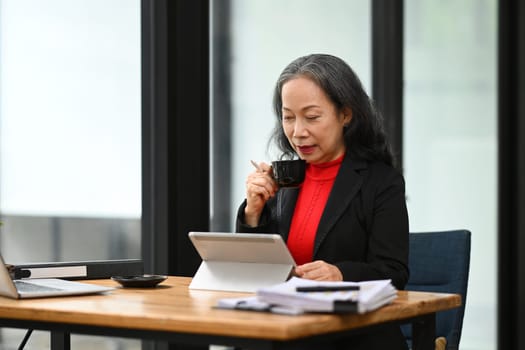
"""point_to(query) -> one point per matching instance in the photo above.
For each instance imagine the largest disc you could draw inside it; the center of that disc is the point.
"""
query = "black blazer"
(363, 231)
(364, 226)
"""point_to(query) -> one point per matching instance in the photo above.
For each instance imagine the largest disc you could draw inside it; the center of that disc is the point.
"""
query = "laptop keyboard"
(24, 287)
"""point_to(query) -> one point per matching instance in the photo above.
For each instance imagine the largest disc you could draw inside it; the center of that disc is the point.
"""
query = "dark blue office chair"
(439, 262)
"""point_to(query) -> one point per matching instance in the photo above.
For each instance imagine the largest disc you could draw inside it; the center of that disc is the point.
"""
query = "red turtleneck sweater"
(311, 202)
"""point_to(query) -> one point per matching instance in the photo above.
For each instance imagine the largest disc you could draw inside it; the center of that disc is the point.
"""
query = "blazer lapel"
(286, 199)
(346, 185)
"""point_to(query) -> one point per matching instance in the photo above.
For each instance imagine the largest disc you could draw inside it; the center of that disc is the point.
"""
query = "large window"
(70, 140)
(70, 129)
(450, 140)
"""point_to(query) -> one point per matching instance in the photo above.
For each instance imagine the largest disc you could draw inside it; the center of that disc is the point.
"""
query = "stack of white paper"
(369, 296)
(331, 297)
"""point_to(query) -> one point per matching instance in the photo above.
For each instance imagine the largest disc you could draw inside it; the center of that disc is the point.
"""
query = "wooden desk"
(171, 312)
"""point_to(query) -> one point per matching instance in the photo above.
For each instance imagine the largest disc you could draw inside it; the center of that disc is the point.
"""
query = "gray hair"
(364, 136)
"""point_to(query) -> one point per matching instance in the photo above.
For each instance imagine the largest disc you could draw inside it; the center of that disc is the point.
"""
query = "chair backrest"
(439, 262)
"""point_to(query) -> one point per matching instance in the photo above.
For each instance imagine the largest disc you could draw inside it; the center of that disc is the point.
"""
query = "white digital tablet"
(240, 262)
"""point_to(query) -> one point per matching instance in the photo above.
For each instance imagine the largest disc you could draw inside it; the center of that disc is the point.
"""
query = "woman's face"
(311, 121)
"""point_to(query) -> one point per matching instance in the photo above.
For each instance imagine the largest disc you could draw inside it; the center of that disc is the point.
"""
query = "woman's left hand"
(319, 270)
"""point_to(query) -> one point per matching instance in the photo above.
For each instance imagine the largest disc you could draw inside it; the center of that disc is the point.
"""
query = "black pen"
(325, 288)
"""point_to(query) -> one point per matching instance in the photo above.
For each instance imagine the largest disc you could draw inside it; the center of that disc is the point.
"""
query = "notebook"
(43, 287)
(240, 262)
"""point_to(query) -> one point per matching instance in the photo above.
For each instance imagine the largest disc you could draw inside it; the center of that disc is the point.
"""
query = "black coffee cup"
(289, 173)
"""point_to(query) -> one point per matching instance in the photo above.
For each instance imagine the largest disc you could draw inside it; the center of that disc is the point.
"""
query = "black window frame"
(175, 132)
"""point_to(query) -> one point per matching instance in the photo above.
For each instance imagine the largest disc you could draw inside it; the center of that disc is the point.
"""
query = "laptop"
(43, 287)
(240, 262)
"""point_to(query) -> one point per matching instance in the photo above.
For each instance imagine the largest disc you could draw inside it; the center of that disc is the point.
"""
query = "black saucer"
(143, 281)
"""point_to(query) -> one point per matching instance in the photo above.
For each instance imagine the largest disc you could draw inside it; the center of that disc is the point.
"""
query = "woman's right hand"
(260, 186)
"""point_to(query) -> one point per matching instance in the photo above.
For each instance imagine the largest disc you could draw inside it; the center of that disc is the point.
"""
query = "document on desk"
(299, 295)
(252, 303)
(326, 296)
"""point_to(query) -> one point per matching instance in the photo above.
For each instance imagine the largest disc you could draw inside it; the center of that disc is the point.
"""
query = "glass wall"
(70, 140)
(265, 37)
(450, 139)
(70, 129)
